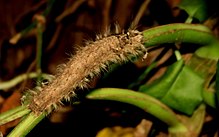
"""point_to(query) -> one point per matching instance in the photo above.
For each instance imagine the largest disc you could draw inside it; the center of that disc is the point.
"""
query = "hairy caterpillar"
(85, 64)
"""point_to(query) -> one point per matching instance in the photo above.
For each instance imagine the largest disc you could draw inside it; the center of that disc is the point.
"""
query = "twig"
(140, 13)
(13, 82)
(31, 9)
(30, 68)
(69, 10)
(21, 34)
(55, 37)
(105, 14)
(40, 25)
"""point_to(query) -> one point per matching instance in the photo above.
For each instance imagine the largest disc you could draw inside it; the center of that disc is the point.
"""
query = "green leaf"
(194, 123)
(185, 93)
(195, 8)
(205, 68)
(210, 51)
(161, 86)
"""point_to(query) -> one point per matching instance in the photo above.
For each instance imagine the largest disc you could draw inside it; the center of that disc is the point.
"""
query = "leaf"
(210, 51)
(185, 93)
(180, 88)
(194, 123)
(205, 68)
(195, 8)
(160, 87)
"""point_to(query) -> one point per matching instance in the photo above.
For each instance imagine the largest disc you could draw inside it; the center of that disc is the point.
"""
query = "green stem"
(28, 28)
(186, 33)
(178, 32)
(189, 19)
(26, 125)
(143, 101)
(13, 82)
(13, 114)
(49, 7)
(39, 48)
(178, 55)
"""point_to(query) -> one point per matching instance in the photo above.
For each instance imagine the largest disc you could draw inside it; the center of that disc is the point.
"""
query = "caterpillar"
(88, 62)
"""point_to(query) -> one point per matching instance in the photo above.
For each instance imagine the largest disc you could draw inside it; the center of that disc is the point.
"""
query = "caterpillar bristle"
(107, 32)
(98, 37)
(117, 28)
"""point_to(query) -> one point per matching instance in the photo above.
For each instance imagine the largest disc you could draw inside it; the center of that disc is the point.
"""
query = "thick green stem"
(179, 32)
(184, 33)
(143, 101)
(13, 114)
(23, 128)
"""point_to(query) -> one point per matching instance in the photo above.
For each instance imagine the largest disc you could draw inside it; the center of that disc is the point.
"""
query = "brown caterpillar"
(85, 64)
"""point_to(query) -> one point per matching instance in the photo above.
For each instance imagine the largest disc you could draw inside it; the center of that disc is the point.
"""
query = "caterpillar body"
(85, 65)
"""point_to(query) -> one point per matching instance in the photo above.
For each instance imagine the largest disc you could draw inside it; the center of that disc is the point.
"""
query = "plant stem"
(39, 37)
(177, 32)
(140, 13)
(178, 55)
(49, 7)
(143, 101)
(13, 114)
(189, 19)
(184, 33)
(25, 126)
(13, 82)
